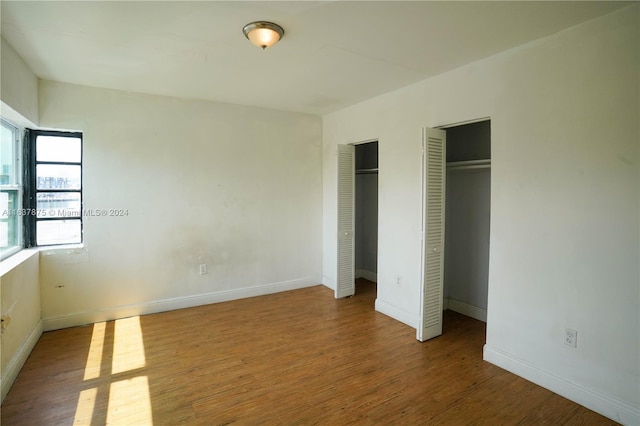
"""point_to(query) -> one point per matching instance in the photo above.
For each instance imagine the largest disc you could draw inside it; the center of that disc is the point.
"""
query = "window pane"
(58, 232)
(7, 155)
(4, 234)
(58, 204)
(57, 148)
(8, 219)
(51, 176)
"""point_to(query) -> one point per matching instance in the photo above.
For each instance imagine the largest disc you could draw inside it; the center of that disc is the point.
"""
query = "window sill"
(17, 259)
(69, 248)
(78, 251)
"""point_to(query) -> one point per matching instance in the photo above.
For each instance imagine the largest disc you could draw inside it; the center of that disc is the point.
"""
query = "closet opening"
(467, 219)
(366, 218)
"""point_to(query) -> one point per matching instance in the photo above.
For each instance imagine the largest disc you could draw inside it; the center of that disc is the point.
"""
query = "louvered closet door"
(345, 285)
(434, 168)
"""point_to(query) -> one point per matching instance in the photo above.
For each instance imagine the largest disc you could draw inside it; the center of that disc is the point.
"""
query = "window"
(10, 190)
(54, 188)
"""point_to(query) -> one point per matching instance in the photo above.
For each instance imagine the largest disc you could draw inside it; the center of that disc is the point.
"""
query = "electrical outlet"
(571, 338)
(399, 281)
(203, 269)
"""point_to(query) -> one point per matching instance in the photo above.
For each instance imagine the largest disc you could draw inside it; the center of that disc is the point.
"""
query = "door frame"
(423, 243)
(339, 264)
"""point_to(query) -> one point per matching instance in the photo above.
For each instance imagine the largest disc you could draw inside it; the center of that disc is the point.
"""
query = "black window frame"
(31, 186)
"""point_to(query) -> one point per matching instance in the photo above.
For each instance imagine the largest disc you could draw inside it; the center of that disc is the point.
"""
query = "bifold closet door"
(345, 285)
(433, 212)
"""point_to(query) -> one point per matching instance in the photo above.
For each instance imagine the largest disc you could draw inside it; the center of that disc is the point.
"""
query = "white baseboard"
(367, 275)
(328, 282)
(466, 309)
(116, 312)
(396, 313)
(610, 407)
(19, 358)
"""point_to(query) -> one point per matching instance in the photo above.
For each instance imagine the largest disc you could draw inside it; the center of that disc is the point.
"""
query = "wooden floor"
(299, 357)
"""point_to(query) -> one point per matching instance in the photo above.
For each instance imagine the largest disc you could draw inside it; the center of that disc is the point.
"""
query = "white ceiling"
(333, 54)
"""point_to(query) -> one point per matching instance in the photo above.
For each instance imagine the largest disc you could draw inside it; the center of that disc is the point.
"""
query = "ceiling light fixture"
(263, 34)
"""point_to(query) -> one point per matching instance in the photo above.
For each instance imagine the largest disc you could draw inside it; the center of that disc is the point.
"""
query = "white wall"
(19, 87)
(20, 304)
(235, 187)
(564, 203)
(19, 274)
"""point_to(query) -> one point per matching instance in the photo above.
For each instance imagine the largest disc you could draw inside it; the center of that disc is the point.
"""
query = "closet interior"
(467, 218)
(366, 211)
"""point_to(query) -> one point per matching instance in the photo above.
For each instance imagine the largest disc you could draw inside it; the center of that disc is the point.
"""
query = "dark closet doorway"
(467, 218)
(366, 214)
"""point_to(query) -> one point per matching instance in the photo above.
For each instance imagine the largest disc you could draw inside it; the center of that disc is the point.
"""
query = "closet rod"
(366, 171)
(474, 167)
(469, 165)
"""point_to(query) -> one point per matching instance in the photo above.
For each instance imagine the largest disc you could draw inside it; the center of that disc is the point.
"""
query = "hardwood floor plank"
(293, 358)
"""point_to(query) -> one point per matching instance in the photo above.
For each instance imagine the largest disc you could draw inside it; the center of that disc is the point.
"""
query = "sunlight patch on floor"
(84, 409)
(128, 346)
(129, 402)
(94, 359)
